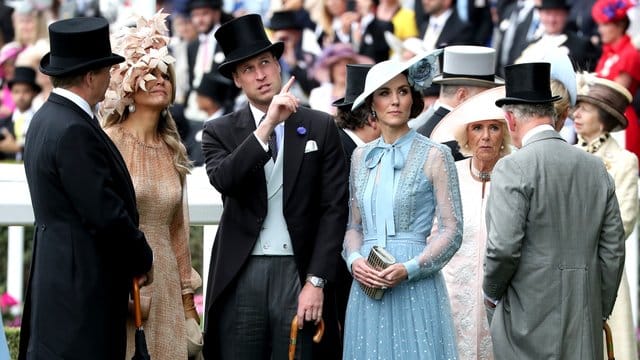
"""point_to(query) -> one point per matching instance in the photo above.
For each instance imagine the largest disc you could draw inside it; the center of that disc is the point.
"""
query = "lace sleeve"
(446, 238)
(353, 237)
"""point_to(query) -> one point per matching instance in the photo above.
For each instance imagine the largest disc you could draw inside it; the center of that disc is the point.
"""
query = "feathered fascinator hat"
(145, 48)
(605, 11)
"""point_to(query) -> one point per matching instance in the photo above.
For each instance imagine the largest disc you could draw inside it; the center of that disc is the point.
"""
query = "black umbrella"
(141, 352)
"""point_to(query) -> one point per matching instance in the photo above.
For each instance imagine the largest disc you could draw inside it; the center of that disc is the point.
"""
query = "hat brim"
(622, 120)
(497, 81)
(515, 100)
(47, 69)
(342, 103)
(226, 68)
(385, 71)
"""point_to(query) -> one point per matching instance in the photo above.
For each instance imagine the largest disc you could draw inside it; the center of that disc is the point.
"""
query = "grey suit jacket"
(555, 251)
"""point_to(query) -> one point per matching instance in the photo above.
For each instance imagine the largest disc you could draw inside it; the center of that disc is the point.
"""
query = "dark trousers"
(256, 315)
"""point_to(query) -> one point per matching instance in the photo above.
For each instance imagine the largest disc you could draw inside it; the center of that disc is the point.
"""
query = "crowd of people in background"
(452, 138)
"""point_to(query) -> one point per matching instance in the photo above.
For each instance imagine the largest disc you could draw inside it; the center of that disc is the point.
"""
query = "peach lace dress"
(165, 223)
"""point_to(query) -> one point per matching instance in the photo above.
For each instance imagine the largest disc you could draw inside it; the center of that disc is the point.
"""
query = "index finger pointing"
(287, 86)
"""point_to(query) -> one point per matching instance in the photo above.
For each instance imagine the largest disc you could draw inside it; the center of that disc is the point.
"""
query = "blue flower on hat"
(301, 130)
(422, 72)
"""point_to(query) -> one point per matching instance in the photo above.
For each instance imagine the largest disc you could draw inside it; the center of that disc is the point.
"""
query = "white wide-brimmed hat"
(562, 70)
(479, 107)
(423, 69)
(469, 65)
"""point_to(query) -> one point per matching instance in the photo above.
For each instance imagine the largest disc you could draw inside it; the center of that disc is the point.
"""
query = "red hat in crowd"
(605, 11)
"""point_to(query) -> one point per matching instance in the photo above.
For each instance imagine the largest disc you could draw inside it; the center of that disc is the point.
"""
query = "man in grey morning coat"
(555, 247)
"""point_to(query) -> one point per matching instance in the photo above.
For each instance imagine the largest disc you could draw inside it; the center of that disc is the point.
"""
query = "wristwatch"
(316, 281)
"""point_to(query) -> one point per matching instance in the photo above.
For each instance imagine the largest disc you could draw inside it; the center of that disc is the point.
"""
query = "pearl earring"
(164, 112)
(132, 108)
(501, 147)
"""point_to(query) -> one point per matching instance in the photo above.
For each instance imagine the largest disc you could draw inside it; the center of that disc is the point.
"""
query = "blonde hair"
(560, 107)
(167, 130)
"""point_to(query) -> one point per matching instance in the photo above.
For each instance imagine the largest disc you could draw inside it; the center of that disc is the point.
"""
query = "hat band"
(446, 75)
(63, 62)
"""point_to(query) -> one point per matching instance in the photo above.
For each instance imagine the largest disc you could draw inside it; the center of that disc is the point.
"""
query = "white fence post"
(15, 263)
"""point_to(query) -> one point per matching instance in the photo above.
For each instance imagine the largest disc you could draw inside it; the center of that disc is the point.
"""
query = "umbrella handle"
(136, 303)
(609, 341)
(293, 336)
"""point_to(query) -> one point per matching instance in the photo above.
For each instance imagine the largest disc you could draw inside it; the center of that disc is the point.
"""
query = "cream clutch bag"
(379, 259)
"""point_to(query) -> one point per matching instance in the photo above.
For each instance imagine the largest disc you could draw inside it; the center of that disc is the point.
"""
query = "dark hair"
(68, 81)
(607, 120)
(352, 120)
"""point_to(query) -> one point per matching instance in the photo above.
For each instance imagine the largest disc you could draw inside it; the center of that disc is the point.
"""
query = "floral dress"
(396, 192)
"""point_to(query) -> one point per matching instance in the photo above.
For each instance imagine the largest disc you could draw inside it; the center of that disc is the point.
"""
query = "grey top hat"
(78, 45)
(469, 65)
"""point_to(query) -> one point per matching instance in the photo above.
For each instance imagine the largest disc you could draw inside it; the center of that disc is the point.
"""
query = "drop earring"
(373, 113)
(132, 108)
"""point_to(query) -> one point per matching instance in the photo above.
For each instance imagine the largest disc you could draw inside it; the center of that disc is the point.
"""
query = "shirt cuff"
(265, 146)
(353, 257)
(413, 267)
(493, 301)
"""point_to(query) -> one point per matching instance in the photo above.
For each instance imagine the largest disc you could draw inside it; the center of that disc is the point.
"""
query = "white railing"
(205, 208)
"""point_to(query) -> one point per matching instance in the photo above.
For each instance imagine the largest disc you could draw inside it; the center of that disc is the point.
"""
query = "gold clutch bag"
(379, 259)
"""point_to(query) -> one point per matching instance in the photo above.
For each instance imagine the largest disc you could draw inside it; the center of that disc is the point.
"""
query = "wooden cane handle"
(136, 303)
(293, 335)
(609, 341)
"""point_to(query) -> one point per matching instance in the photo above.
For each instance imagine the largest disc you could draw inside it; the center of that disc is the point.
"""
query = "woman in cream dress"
(482, 134)
(600, 111)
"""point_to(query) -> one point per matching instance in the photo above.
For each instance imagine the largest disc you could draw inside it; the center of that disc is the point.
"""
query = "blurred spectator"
(31, 57)
(620, 60)
(295, 61)
(30, 24)
(553, 17)
(8, 54)
(184, 33)
(13, 129)
(331, 71)
(367, 32)
(334, 22)
(203, 54)
(515, 30)
(403, 19)
(6, 25)
(442, 26)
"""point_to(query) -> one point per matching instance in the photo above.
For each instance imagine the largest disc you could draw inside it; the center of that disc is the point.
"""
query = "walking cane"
(141, 351)
(609, 341)
(293, 335)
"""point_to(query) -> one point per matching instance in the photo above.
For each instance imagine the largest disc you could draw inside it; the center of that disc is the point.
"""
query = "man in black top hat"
(87, 248)
(203, 54)
(281, 172)
(287, 26)
(555, 240)
(14, 127)
(554, 15)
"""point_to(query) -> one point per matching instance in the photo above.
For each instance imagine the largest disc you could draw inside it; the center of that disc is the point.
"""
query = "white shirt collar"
(441, 19)
(16, 112)
(257, 114)
(356, 139)
(535, 130)
(75, 98)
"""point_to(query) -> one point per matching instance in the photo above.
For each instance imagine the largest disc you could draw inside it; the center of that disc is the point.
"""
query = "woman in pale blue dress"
(400, 184)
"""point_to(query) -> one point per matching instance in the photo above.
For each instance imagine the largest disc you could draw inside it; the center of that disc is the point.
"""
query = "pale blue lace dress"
(413, 319)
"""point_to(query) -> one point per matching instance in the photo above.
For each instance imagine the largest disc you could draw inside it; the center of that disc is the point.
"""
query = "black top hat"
(218, 88)
(527, 84)
(243, 38)
(283, 20)
(554, 4)
(213, 4)
(356, 75)
(25, 75)
(78, 45)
